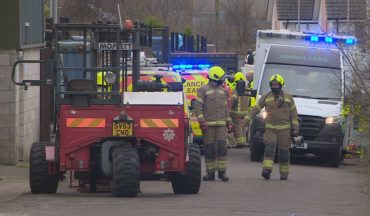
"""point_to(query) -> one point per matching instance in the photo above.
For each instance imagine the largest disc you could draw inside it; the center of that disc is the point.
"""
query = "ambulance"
(313, 68)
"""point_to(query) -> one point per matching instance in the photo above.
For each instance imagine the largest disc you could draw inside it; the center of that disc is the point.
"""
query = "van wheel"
(255, 153)
(335, 158)
(126, 172)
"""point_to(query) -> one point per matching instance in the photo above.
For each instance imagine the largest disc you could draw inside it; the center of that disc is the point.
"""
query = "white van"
(312, 66)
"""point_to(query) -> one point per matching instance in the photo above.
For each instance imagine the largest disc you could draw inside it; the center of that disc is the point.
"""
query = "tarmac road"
(312, 189)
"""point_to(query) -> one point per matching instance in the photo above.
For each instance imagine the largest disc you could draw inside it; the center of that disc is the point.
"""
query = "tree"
(358, 76)
(238, 19)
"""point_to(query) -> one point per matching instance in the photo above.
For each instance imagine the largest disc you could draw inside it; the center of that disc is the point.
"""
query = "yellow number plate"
(122, 129)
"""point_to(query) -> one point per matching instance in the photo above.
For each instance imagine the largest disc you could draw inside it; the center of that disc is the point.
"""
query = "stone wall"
(19, 109)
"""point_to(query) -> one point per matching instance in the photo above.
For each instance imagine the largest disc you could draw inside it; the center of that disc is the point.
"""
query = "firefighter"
(229, 85)
(250, 86)
(229, 81)
(212, 112)
(280, 123)
(239, 111)
(249, 59)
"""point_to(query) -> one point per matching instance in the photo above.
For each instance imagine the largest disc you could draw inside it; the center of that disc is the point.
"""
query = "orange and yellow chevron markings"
(85, 122)
(159, 123)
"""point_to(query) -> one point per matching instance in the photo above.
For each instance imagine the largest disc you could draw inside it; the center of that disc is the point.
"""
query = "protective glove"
(295, 133)
(230, 128)
(203, 126)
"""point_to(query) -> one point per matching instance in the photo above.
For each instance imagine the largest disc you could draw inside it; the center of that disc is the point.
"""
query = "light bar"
(314, 38)
(350, 41)
(329, 40)
(191, 67)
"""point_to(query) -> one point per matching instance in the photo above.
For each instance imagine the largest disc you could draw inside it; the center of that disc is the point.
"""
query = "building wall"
(19, 109)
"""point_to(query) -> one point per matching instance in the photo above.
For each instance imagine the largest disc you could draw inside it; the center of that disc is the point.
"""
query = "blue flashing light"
(329, 40)
(314, 38)
(204, 66)
(190, 67)
(350, 41)
(182, 66)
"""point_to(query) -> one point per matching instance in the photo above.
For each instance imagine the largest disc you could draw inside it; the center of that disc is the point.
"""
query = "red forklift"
(111, 137)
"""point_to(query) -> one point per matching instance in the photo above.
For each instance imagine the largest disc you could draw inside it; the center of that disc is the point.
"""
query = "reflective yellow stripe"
(240, 140)
(287, 100)
(295, 123)
(269, 99)
(199, 100)
(200, 116)
(209, 92)
(215, 123)
(268, 163)
(278, 127)
(240, 112)
(220, 91)
(284, 168)
(210, 166)
(292, 108)
(221, 165)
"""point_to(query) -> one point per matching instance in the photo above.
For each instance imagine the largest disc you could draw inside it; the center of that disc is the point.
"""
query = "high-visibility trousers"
(282, 139)
(240, 130)
(215, 149)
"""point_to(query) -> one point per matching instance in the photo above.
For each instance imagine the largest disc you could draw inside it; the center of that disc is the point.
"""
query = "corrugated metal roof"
(288, 9)
(337, 9)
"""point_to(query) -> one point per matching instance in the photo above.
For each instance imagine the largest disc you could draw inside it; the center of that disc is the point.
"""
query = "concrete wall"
(19, 109)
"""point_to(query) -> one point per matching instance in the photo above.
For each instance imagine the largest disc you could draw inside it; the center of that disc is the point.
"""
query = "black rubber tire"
(40, 181)
(189, 183)
(255, 153)
(126, 172)
(335, 158)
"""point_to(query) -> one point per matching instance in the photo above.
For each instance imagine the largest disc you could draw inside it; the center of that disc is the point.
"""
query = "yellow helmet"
(216, 73)
(277, 78)
(239, 76)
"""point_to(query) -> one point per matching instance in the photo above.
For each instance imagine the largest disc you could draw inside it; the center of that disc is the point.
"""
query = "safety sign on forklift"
(113, 46)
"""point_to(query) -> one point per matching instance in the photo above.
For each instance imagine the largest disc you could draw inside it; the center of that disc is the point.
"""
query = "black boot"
(266, 173)
(222, 176)
(209, 177)
(283, 176)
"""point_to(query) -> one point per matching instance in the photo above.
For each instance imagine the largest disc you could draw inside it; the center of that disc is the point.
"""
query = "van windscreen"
(302, 81)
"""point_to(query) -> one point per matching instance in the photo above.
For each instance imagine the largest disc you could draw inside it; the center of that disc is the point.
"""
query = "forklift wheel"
(126, 172)
(40, 180)
(189, 183)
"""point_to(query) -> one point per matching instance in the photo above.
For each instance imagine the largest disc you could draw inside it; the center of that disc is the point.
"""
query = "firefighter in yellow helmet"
(212, 112)
(280, 123)
(239, 111)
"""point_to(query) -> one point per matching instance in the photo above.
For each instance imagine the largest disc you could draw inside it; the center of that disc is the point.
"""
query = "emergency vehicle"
(313, 69)
(112, 137)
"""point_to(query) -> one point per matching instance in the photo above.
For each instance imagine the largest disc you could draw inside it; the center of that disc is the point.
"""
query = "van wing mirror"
(242, 91)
